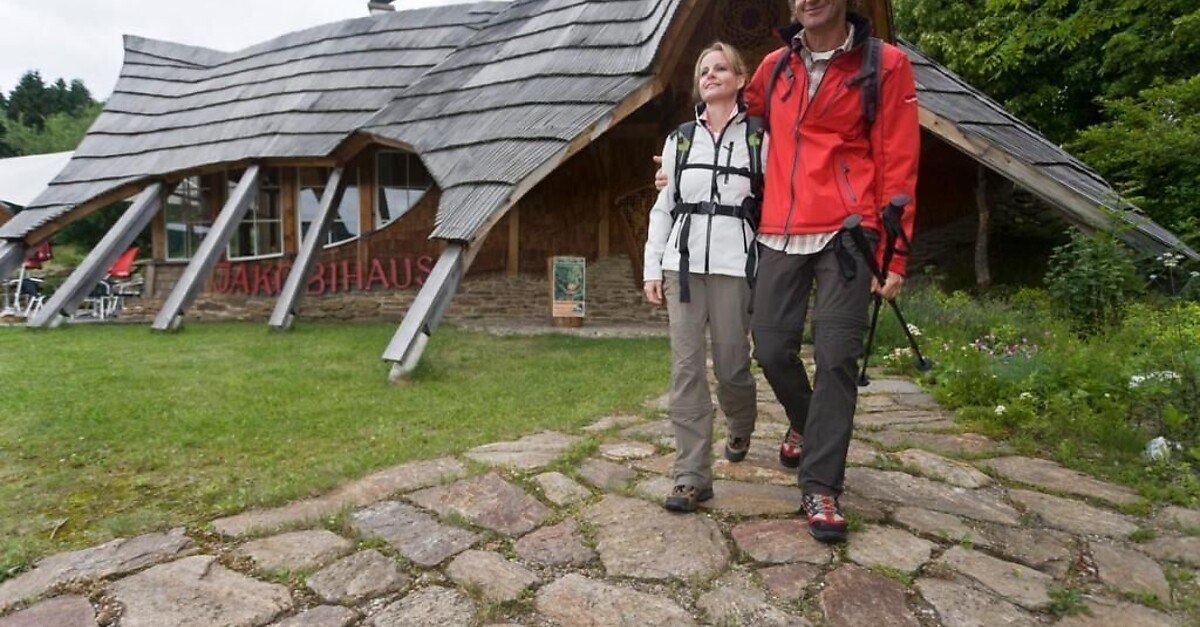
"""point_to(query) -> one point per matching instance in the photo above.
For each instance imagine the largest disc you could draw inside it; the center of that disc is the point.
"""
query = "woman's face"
(716, 78)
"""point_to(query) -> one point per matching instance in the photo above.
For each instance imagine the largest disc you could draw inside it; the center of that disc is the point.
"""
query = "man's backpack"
(867, 80)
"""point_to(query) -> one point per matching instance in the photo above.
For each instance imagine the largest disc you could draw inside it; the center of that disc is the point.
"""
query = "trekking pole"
(892, 231)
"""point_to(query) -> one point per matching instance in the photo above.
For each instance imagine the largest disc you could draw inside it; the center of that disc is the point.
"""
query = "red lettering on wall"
(267, 278)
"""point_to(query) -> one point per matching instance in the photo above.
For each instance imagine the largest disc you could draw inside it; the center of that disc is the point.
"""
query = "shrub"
(1093, 279)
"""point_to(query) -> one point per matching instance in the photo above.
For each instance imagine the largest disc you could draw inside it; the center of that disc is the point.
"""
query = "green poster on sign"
(569, 287)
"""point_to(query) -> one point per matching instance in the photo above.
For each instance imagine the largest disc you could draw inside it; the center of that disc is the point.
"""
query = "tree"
(1051, 61)
(27, 103)
(59, 132)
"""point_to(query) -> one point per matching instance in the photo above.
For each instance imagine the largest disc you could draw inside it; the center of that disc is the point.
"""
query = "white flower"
(1026, 396)
(1153, 276)
(1160, 448)
(912, 328)
(1160, 376)
(1195, 274)
(1000, 409)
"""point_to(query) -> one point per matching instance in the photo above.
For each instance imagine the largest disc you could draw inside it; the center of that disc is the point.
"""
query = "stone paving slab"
(895, 418)
(612, 422)
(735, 600)
(557, 545)
(780, 542)
(938, 525)
(112, 558)
(912, 491)
(942, 469)
(320, 616)
(299, 550)
(1109, 613)
(65, 611)
(958, 605)
(1021, 585)
(788, 582)
(576, 601)
(416, 535)
(191, 591)
(428, 607)
(637, 539)
(606, 475)
(889, 547)
(1185, 550)
(495, 578)
(625, 451)
(1129, 571)
(364, 575)
(487, 501)
(854, 597)
(952, 444)
(733, 497)
(1175, 517)
(881, 386)
(365, 491)
(1073, 516)
(532, 452)
(561, 489)
(1055, 478)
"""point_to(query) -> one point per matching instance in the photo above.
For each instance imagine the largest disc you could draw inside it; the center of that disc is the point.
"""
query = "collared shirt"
(816, 63)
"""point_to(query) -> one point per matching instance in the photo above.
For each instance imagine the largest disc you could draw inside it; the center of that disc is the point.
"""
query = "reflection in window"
(260, 234)
(188, 218)
(403, 179)
(345, 224)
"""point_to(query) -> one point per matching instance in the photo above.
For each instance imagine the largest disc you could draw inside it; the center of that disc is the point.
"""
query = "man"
(826, 161)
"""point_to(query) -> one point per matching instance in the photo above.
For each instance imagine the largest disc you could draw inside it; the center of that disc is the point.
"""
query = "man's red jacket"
(821, 166)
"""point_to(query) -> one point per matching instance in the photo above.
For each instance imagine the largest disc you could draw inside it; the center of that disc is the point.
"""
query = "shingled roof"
(537, 77)
(978, 125)
(177, 108)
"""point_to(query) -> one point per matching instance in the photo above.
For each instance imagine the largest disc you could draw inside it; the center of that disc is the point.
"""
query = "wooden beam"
(289, 193)
(87, 275)
(288, 305)
(170, 317)
(514, 242)
(882, 18)
(408, 344)
(983, 273)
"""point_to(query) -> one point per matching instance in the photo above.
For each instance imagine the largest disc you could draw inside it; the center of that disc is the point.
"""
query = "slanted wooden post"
(426, 312)
(171, 316)
(84, 279)
(284, 315)
(983, 275)
(12, 255)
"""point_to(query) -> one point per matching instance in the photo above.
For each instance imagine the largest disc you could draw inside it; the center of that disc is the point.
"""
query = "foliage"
(1012, 369)
(1147, 149)
(1049, 61)
(112, 431)
(32, 102)
(59, 132)
(1093, 279)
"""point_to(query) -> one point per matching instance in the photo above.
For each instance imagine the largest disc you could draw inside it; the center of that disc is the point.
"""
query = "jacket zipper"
(846, 183)
(787, 223)
(715, 195)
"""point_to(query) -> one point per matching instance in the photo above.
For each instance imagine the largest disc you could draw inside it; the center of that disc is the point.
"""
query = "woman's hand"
(660, 177)
(654, 292)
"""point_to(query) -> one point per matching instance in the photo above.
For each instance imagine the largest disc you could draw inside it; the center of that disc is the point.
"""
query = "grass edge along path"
(111, 431)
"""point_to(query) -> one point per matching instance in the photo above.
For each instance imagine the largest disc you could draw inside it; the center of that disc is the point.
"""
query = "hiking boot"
(685, 498)
(736, 448)
(789, 448)
(825, 520)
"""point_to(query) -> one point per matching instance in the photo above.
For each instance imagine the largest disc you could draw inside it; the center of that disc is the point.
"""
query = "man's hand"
(891, 289)
(660, 177)
(654, 292)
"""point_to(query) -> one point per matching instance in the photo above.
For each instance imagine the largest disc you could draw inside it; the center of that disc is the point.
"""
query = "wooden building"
(409, 148)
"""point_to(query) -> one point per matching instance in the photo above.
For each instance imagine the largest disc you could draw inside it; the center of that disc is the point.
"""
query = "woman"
(701, 233)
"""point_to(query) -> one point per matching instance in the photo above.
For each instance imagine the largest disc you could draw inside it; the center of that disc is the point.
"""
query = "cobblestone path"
(948, 528)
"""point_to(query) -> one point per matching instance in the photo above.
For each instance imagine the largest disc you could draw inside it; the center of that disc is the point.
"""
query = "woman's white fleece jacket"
(717, 244)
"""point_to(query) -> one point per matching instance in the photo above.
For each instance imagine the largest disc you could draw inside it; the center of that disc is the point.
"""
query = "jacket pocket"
(849, 197)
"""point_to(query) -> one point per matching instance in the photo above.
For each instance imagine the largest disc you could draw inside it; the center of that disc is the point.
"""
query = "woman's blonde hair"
(735, 63)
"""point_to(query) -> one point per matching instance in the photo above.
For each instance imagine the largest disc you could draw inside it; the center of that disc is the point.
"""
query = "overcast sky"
(72, 39)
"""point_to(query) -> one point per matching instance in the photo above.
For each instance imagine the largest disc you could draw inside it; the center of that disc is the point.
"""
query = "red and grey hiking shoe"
(825, 520)
(789, 449)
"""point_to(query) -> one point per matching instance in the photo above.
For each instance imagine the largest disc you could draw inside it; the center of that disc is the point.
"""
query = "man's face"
(820, 14)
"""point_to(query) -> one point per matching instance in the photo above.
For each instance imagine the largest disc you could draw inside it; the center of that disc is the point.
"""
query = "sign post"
(568, 290)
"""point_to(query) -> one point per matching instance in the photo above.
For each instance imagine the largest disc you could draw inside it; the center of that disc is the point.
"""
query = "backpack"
(867, 80)
(755, 130)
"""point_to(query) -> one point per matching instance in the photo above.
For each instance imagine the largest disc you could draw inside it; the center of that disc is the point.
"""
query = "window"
(188, 217)
(345, 225)
(260, 233)
(403, 179)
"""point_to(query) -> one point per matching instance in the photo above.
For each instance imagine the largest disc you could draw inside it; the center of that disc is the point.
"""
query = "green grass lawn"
(109, 431)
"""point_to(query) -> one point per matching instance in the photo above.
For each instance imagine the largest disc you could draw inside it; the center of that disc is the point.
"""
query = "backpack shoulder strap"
(868, 80)
(755, 130)
(780, 66)
(683, 147)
